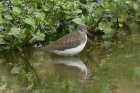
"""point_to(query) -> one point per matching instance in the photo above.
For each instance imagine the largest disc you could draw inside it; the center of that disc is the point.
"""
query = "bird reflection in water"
(72, 68)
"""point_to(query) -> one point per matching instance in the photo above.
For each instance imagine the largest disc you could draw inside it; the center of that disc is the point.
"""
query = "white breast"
(71, 51)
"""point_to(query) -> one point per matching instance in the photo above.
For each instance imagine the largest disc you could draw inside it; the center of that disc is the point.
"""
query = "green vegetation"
(24, 22)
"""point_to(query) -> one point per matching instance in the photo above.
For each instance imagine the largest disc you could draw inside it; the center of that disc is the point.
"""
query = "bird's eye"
(82, 29)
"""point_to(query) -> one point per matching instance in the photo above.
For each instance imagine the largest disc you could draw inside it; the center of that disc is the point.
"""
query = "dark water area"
(99, 68)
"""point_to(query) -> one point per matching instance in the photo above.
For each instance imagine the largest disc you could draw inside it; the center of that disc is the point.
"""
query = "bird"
(69, 44)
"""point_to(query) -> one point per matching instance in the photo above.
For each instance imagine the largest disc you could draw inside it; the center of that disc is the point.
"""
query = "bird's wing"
(65, 42)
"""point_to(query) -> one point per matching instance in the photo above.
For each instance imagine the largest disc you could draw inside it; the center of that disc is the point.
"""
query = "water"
(105, 68)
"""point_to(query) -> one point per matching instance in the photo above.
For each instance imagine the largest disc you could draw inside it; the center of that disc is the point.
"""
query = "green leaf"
(2, 61)
(38, 36)
(3, 8)
(1, 18)
(109, 30)
(16, 2)
(29, 20)
(78, 11)
(19, 48)
(40, 16)
(45, 8)
(121, 25)
(3, 86)
(15, 70)
(16, 11)
(9, 17)
(79, 21)
(1, 35)
(15, 31)
(2, 41)
(107, 36)
(31, 10)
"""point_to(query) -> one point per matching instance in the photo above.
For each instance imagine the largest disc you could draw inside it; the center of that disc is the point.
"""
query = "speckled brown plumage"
(70, 40)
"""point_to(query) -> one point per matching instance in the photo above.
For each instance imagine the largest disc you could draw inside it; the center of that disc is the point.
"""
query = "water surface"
(99, 68)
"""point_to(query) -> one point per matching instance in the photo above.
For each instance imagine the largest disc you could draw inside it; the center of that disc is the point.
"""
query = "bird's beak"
(89, 33)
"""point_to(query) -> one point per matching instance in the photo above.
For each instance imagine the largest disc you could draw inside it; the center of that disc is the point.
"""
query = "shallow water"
(105, 68)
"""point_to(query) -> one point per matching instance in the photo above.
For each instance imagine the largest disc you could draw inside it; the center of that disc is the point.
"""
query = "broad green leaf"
(16, 2)
(45, 8)
(29, 20)
(15, 70)
(37, 37)
(31, 10)
(2, 41)
(15, 31)
(78, 11)
(40, 16)
(16, 11)
(3, 8)
(79, 21)
(109, 30)
(9, 17)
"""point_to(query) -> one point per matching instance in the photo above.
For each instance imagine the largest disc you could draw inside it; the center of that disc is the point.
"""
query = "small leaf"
(40, 16)
(16, 11)
(15, 70)
(16, 2)
(1, 35)
(3, 86)
(31, 10)
(109, 30)
(14, 31)
(29, 21)
(39, 36)
(2, 41)
(19, 48)
(120, 25)
(3, 8)
(2, 61)
(45, 8)
(79, 21)
(9, 17)
(78, 11)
